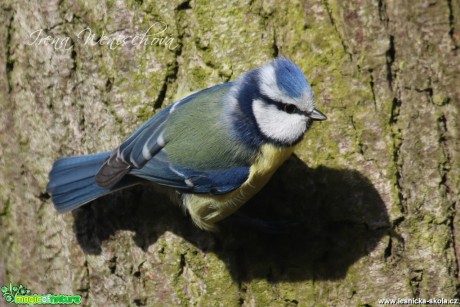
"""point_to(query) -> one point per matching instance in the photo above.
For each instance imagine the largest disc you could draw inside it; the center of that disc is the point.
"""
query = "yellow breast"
(206, 210)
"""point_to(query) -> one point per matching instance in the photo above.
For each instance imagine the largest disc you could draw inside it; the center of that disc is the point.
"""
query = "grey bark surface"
(370, 200)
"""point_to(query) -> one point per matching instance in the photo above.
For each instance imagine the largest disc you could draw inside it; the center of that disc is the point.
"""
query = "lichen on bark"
(369, 201)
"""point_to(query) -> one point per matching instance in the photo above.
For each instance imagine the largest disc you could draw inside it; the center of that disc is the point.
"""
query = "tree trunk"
(366, 209)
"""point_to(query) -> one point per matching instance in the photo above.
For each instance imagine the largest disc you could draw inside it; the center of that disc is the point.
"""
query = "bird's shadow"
(305, 224)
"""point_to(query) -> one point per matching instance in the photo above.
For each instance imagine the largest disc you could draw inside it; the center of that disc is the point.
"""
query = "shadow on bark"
(306, 224)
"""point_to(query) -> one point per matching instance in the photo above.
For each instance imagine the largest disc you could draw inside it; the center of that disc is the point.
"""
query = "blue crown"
(290, 78)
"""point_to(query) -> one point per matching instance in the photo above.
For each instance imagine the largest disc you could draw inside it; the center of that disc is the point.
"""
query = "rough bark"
(369, 201)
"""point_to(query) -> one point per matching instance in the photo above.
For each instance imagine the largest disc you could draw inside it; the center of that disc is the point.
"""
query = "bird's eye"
(290, 108)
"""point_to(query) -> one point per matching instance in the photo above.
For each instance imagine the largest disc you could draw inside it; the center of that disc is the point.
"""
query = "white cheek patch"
(278, 125)
(269, 87)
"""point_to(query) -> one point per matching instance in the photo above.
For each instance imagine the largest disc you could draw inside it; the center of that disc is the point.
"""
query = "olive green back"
(198, 137)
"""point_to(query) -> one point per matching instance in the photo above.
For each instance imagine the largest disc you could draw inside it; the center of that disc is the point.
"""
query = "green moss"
(200, 278)
(440, 100)
(6, 210)
(144, 113)
(199, 77)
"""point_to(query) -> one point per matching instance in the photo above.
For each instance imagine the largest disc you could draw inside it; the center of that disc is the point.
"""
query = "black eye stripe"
(288, 108)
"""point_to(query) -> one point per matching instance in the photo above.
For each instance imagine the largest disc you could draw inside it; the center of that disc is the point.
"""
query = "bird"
(216, 148)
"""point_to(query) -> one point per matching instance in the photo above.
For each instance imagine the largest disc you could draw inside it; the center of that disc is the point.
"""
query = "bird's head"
(278, 97)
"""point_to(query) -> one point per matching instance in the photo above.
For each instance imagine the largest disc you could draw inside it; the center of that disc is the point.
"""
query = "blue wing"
(142, 155)
(218, 181)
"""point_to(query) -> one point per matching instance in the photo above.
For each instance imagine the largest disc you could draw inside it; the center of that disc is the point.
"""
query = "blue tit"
(217, 147)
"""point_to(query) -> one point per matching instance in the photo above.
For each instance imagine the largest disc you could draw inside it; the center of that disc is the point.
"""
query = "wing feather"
(142, 155)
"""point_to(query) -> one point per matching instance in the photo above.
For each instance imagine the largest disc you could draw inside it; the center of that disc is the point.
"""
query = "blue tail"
(72, 184)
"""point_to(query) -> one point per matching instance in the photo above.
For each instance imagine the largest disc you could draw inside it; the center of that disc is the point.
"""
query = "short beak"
(317, 115)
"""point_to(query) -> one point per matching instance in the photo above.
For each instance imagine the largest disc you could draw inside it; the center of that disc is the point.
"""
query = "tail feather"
(72, 183)
(67, 200)
(66, 170)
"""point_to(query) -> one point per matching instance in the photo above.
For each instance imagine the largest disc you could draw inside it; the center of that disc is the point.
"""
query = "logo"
(21, 295)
